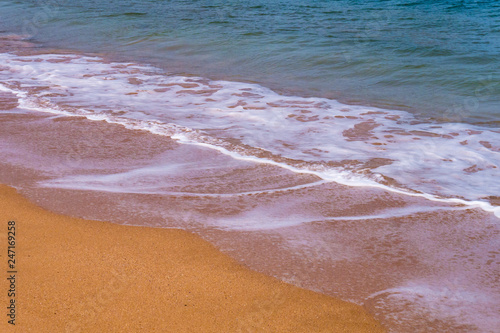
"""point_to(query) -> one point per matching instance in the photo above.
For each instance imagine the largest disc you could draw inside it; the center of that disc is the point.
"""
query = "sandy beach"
(75, 275)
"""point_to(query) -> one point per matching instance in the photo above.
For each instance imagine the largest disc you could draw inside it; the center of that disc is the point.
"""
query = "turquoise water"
(437, 59)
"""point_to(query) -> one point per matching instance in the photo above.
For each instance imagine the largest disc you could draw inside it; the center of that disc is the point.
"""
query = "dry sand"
(75, 275)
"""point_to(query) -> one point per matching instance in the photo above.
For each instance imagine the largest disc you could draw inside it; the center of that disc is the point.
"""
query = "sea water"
(363, 135)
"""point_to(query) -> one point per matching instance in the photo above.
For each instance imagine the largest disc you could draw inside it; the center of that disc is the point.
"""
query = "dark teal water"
(438, 59)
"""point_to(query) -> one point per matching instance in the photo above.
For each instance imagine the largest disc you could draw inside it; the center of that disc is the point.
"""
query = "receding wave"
(351, 145)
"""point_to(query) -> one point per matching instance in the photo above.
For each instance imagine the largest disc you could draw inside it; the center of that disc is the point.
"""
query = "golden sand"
(75, 275)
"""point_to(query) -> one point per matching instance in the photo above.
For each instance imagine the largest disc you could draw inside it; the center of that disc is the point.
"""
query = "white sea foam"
(265, 220)
(448, 300)
(149, 180)
(351, 145)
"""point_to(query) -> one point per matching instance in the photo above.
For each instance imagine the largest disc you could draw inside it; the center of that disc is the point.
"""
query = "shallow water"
(352, 145)
(437, 59)
(291, 186)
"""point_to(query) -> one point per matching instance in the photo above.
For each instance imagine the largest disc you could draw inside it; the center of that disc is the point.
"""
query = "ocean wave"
(351, 145)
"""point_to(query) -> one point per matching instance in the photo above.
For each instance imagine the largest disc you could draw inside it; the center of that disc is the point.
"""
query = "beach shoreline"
(77, 275)
(283, 185)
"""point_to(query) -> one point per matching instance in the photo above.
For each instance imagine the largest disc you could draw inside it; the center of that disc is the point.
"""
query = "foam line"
(70, 183)
(186, 135)
(341, 179)
(250, 221)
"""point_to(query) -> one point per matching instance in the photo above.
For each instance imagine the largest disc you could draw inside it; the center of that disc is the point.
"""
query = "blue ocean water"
(437, 59)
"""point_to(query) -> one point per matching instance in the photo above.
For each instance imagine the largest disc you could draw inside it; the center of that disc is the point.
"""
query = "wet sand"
(78, 275)
(433, 269)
